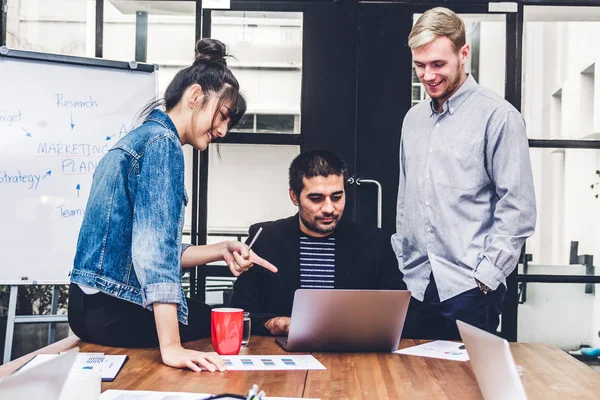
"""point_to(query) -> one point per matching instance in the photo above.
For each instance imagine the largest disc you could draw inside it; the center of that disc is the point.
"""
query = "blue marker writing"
(9, 119)
(76, 149)
(70, 166)
(122, 132)
(70, 212)
(30, 180)
(68, 103)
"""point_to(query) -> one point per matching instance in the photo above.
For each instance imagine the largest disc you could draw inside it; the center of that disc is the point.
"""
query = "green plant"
(596, 185)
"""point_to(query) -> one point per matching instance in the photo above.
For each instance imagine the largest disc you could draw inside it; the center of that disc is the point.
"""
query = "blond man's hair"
(434, 23)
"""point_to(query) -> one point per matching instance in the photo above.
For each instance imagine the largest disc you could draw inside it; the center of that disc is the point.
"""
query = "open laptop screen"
(347, 320)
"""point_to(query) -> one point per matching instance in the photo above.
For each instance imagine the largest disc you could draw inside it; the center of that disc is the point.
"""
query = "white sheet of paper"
(45, 381)
(110, 365)
(267, 363)
(148, 395)
(439, 349)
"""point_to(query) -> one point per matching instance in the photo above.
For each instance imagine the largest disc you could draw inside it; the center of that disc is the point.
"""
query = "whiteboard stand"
(53, 309)
(29, 319)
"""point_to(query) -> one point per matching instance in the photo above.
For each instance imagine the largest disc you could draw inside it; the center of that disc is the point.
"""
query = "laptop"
(346, 320)
(42, 382)
(492, 363)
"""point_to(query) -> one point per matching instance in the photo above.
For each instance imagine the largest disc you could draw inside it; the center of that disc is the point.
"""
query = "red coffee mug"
(227, 327)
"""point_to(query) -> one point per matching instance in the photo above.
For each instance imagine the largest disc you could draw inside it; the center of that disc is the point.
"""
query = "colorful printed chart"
(110, 365)
(263, 363)
(439, 349)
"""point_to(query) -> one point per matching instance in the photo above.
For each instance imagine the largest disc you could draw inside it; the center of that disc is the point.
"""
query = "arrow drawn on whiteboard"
(109, 137)
(26, 133)
(78, 187)
(72, 124)
(47, 174)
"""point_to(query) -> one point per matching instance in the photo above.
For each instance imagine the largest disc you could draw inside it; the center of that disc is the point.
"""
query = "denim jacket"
(130, 239)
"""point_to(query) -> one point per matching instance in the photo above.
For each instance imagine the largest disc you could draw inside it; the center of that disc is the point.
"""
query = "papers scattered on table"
(147, 395)
(110, 365)
(439, 349)
(45, 381)
(264, 363)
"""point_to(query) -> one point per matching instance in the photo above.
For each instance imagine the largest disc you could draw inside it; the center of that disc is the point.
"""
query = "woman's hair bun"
(208, 49)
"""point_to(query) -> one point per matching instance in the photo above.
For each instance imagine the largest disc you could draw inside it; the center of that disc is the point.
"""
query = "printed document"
(110, 365)
(438, 349)
(266, 363)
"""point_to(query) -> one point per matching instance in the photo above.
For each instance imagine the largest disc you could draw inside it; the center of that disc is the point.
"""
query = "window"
(267, 60)
(252, 178)
(62, 27)
(268, 123)
(559, 105)
(418, 91)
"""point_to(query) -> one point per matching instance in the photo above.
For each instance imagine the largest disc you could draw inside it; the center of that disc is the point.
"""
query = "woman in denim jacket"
(126, 281)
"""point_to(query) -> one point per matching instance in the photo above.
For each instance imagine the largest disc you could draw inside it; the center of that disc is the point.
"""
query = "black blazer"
(364, 259)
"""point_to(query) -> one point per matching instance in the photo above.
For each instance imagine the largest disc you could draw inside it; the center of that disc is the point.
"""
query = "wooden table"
(549, 373)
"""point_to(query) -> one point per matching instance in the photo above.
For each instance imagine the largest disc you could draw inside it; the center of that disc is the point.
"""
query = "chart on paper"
(443, 349)
(110, 365)
(261, 363)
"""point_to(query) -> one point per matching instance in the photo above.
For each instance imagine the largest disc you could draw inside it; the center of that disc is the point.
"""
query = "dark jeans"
(109, 321)
(432, 319)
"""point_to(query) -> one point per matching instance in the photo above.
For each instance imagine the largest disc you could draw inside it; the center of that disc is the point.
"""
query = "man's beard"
(452, 86)
(314, 226)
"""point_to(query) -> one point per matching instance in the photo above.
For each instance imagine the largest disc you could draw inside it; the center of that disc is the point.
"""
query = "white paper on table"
(151, 395)
(45, 381)
(438, 349)
(271, 363)
(110, 365)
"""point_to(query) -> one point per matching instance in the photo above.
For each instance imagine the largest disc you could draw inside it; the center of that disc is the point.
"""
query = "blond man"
(466, 201)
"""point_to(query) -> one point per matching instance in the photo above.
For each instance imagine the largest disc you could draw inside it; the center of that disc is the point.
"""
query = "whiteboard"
(58, 116)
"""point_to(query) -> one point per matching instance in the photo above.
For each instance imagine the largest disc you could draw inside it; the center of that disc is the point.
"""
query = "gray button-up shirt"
(466, 201)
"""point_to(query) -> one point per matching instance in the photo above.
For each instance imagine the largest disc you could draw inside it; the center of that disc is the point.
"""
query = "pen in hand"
(258, 260)
(255, 237)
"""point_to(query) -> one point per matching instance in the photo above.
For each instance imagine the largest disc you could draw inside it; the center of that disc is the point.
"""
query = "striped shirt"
(317, 262)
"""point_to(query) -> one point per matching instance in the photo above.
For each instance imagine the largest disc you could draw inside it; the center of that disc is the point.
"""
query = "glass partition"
(248, 184)
(267, 51)
(562, 314)
(62, 27)
(560, 104)
(559, 89)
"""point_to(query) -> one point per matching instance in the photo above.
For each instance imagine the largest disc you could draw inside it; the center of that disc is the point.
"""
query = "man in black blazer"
(314, 248)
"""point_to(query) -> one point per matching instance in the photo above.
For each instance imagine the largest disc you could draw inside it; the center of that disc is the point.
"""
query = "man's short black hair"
(313, 163)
